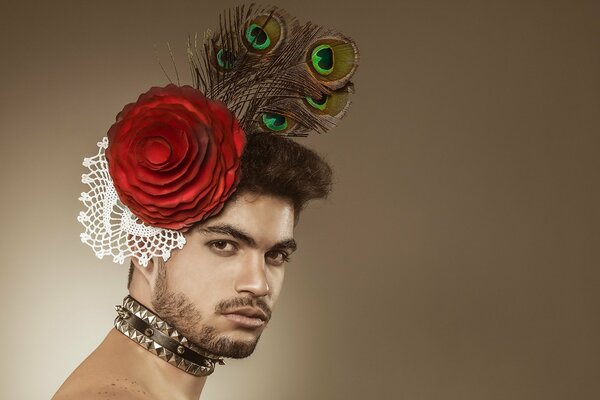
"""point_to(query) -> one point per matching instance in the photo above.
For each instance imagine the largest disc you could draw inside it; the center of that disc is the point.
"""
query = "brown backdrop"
(457, 259)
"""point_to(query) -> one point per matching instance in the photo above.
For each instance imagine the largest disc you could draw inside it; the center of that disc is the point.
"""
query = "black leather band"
(165, 341)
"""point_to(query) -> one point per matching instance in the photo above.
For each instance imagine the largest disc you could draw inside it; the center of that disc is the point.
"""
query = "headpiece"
(172, 158)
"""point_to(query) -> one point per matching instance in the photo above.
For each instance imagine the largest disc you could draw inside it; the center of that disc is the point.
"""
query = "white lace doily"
(110, 227)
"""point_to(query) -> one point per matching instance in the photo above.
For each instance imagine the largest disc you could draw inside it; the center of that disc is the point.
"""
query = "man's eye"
(222, 246)
(277, 257)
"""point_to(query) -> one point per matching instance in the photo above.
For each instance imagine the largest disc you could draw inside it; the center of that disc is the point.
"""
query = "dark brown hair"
(279, 166)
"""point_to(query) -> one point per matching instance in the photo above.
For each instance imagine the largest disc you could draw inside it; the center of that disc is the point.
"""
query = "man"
(201, 188)
(220, 289)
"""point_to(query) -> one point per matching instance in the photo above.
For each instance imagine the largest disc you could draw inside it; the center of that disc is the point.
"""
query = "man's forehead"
(263, 217)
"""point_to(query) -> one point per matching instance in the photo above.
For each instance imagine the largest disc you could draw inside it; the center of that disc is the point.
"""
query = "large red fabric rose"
(174, 156)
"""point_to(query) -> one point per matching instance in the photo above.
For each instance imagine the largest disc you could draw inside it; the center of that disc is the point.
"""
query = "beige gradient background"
(458, 257)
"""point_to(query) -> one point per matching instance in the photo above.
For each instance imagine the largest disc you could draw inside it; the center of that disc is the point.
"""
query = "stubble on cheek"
(175, 308)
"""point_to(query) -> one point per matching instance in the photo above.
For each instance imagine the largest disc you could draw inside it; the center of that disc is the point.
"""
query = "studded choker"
(152, 333)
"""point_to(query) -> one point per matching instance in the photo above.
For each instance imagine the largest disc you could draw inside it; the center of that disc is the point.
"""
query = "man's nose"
(252, 276)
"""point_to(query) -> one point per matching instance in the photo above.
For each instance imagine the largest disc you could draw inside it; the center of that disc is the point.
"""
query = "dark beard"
(178, 311)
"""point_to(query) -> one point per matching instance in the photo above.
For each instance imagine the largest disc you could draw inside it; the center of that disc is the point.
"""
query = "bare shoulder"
(101, 395)
(109, 372)
(110, 388)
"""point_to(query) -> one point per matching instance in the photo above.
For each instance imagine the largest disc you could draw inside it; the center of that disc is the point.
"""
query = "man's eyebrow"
(226, 229)
(289, 244)
(231, 231)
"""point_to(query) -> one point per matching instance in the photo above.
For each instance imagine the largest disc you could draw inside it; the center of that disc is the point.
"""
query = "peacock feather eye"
(322, 59)
(319, 104)
(257, 37)
(225, 59)
(332, 61)
(275, 122)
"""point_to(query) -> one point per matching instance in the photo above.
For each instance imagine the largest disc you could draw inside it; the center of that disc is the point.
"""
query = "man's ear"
(149, 272)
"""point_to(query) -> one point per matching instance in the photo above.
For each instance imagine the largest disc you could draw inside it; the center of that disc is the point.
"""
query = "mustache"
(226, 305)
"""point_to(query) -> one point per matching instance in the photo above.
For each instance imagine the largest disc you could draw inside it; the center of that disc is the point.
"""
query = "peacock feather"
(275, 74)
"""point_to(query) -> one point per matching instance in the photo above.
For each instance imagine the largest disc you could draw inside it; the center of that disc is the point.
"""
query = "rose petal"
(174, 156)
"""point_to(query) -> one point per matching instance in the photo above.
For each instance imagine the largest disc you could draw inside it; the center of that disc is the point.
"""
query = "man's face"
(219, 290)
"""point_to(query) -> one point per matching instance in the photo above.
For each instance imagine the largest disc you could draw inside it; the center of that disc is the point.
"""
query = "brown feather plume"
(275, 74)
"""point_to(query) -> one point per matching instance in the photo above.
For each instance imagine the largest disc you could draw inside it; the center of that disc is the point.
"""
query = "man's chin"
(223, 341)
(230, 347)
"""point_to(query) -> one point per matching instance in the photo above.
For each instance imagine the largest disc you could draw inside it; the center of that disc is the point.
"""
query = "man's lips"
(246, 322)
(247, 316)
(249, 312)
